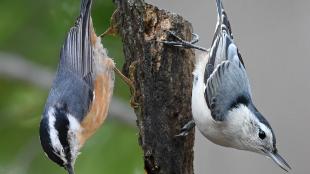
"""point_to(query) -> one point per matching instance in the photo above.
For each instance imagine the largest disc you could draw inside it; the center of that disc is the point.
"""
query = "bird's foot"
(132, 71)
(112, 30)
(131, 86)
(186, 129)
(183, 43)
(129, 82)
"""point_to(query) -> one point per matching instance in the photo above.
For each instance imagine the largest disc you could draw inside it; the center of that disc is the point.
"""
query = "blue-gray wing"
(72, 88)
(72, 93)
(76, 53)
(226, 88)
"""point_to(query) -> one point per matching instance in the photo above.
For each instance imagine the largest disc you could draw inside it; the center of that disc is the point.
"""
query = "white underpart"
(200, 110)
(54, 136)
(74, 129)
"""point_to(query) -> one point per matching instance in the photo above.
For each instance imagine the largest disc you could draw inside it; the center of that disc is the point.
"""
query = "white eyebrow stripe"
(54, 136)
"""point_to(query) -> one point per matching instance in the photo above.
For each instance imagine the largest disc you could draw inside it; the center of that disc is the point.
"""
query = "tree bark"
(162, 76)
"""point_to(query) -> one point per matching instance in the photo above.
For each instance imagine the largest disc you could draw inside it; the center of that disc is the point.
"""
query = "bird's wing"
(76, 53)
(227, 87)
(73, 85)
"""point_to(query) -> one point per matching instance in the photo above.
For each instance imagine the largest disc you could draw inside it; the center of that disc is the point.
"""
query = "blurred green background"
(36, 30)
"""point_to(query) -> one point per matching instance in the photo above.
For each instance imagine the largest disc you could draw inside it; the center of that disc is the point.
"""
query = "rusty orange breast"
(99, 107)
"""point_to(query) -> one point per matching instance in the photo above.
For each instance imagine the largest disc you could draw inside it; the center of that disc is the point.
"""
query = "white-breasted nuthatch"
(222, 105)
(80, 95)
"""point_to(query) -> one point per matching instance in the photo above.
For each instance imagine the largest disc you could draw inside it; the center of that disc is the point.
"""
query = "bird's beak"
(278, 160)
(70, 169)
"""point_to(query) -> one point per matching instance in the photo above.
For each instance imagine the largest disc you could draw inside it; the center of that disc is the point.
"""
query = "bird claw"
(183, 43)
(186, 129)
(133, 102)
(182, 134)
(129, 82)
(132, 70)
(112, 30)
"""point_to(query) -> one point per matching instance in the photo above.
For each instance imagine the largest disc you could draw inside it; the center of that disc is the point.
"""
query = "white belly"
(200, 110)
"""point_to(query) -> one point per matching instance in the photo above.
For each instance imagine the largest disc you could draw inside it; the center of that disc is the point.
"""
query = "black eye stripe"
(46, 142)
(62, 126)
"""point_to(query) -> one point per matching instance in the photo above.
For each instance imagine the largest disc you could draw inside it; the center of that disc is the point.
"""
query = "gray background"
(273, 38)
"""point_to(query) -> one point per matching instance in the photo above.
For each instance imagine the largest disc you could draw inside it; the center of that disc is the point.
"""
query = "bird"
(222, 105)
(78, 102)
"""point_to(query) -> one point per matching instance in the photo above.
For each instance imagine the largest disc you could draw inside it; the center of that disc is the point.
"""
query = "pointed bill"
(70, 169)
(279, 160)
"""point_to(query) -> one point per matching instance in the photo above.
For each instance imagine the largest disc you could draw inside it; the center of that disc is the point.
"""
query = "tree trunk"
(162, 76)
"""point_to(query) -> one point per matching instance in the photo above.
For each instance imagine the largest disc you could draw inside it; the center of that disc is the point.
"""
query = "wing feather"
(76, 53)
(227, 86)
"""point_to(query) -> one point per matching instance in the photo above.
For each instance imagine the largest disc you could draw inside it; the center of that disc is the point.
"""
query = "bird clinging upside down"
(80, 95)
(222, 105)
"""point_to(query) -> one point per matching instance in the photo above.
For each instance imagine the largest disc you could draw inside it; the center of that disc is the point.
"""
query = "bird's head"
(255, 134)
(58, 137)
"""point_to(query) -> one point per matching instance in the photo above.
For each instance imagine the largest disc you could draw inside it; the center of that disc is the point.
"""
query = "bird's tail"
(219, 11)
(223, 22)
(223, 46)
(76, 52)
(86, 7)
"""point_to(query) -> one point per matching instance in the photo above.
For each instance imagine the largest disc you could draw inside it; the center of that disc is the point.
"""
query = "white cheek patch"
(54, 136)
(74, 129)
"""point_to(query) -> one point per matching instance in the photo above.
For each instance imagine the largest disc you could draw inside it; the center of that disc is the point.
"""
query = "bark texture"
(162, 76)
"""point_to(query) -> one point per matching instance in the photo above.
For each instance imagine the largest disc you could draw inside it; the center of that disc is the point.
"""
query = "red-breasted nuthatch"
(222, 104)
(81, 92)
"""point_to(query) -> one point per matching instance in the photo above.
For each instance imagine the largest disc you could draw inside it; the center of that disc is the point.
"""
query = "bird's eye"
(261, 134)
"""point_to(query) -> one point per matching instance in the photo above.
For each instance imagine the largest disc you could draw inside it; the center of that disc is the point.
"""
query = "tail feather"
(85, 6)
(223, 22)
(223, 47)
(76, 53)
(219, 6)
